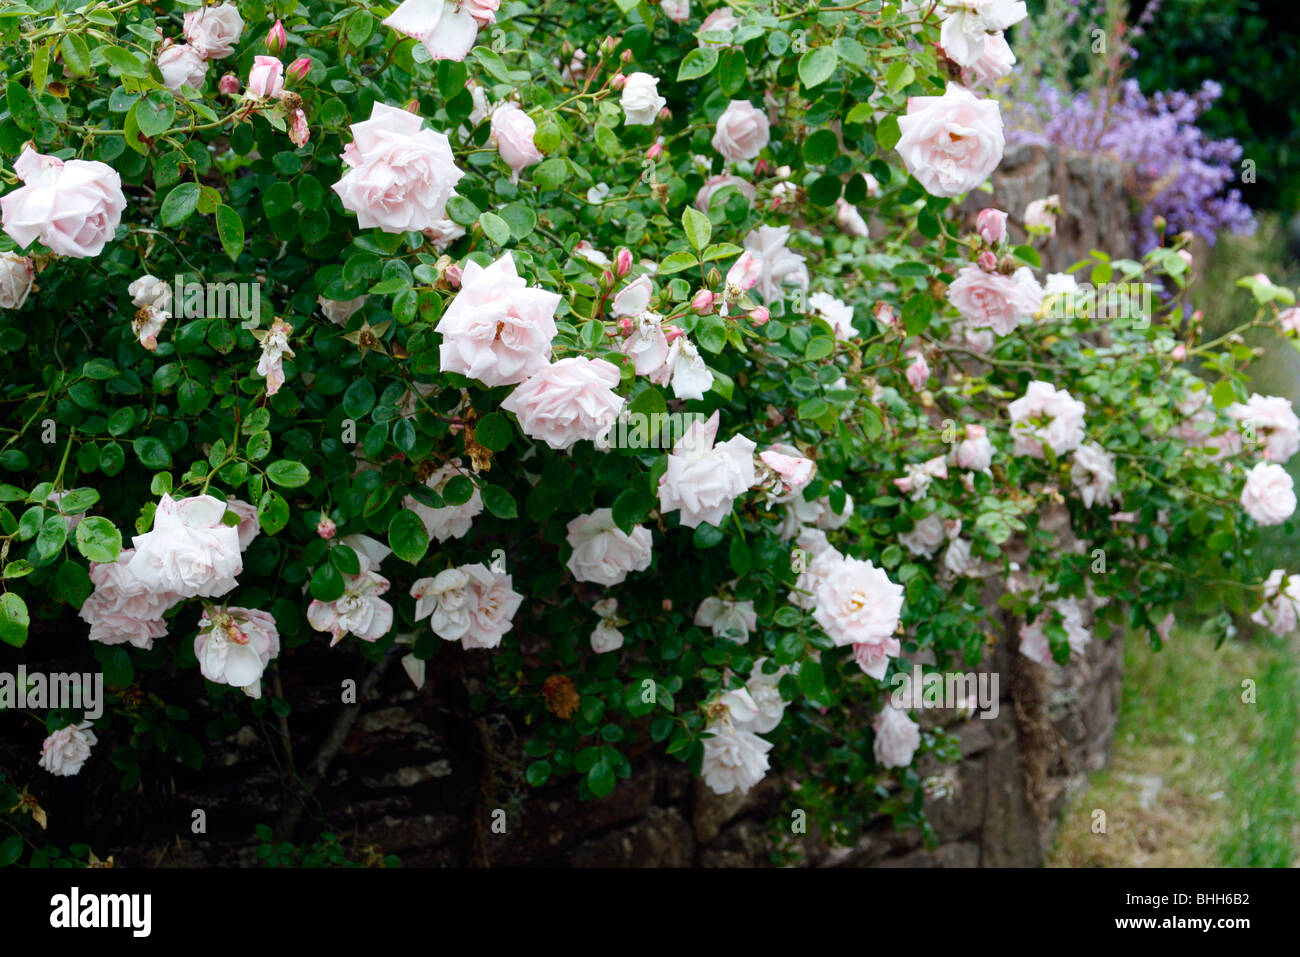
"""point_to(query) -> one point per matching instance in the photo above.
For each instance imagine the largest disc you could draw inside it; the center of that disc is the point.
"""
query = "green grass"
(1200, 778)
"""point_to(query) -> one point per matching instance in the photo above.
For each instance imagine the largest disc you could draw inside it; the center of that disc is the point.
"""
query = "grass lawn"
(1200, 778)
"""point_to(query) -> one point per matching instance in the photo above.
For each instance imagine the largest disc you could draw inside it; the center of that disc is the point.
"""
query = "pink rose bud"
(277, 39)
(992, 225)
(667, 604)
(608, 45)
(761, 168)
(412, 106)
(760, 316)
(625, 326)
(1290, 320)
(1185, 256)
(298, 69)
(326, 528)
(885, 314)
(453, 275)
(626, 56)
(1179, 353)
(1197, 316)
(987, 261)
(672, 333)
(299, 132)
(1263, 278)
(703, 302)
(228, 84)
(618, 81)
(665, 114)
(607, 278)
(623, 262)
(655, 151)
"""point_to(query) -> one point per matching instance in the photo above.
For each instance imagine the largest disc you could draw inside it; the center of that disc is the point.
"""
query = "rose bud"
(277, 39)
(229, 85)
(703, 302)
(298, 69)
(655, 151)
(623, 261)
(326, 528)
(760, 316)
(987, 261)
(992, 225)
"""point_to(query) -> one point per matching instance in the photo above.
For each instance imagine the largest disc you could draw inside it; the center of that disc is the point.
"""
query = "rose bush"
(480, 234)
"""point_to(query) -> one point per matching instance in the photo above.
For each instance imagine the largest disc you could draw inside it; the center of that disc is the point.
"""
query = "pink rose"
(856, 603)
(994, 62)
(1289, 320)
(602, 552)
(1092, 472)
(849, 219)
(249, 527)
(742, 131)
(484, 11)
(634, 298)
(918, 373)
(715, 183)
(74, 206)
(1280, 610)
(65, 751)
(1045, 415)
(190, 551)
(446, 30)
(975, 451)
(896, 737)
(992, 225)
(721, 20)
(679, 11)
(1040, 215)
(794, 471)
(498, 329)
(1269, 494)
(122, 608)
(360, 610)
(994, 301)
(951, 143)
(266, 78)
(704, 479)
(182, 65)
(568, 401)
(17, 273)
(401, 175)
(470, 604)
(778, 263)
(967, 26)
(214, 31)
(1274, 421)
(647, 344)
(512, 133)
(234, 646)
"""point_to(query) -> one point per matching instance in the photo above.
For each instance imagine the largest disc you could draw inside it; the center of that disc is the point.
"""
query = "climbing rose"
(471, 604)
(733, 620)
(897, 737)
(512, 134)
(446, 29)
(856, 603)
(1093, 473)
(190, 552)
(400, 176)
(498, 329)
(182, 65)
(17, 273)
(449, 521)
(994, 301)
(568, 401)
(1269, 494)
(641, 101)
(72, 206)
(1280, 610)
(1273, 420)
(951, 143)
(122, 608)
(214, 31)
(1063, 415)
(266, 78)
(703, 479)
(742, 131)
(734, 760)
(234, 646)
(66, 750)
(602, 552)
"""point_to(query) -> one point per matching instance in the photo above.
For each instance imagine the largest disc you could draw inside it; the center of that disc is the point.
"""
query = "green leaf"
(629, 509)
(230, 230)
(697, 226)
(288, 474)
(697, 63)
(272, 512)
(180, 204)
(819, 347)
(499, 502)
(820, 148)
(1224, 393)
(154, 113)
(151, 453)
(495, 228)
(1029, 255)
(898, 76)
(76, 55)
(493, 432)
(13, 620)
(816, 66)
(326, 583)
(407, 536)
(812, 680)
(53, 535)
(676, 263)
(126, 63)
(98, 539)
(887, 132)
(22, 108)
(601, 778)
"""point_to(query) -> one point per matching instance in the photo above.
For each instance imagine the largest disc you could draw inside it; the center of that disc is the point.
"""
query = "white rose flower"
(641, 101)
(66, 750)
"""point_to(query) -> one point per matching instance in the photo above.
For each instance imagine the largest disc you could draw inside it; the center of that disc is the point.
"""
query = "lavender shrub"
(1184, 175)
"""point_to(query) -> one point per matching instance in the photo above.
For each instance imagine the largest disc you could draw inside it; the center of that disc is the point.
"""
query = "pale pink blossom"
(214, 31)
(703, 477)
(1046, 416)
(994, 301)
(449, 521)
(65, 751)
(742, 131)
(951, 143)
(190, 551)
(602, 552)
(498, 329)
(73, 206)
(266, 78)
(512, 134)
(1269, 494)
(896, 737)
(182, 65)
(568, 401)
(234, 646)
(715, 183)
(446, 29)
(1280, 610)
